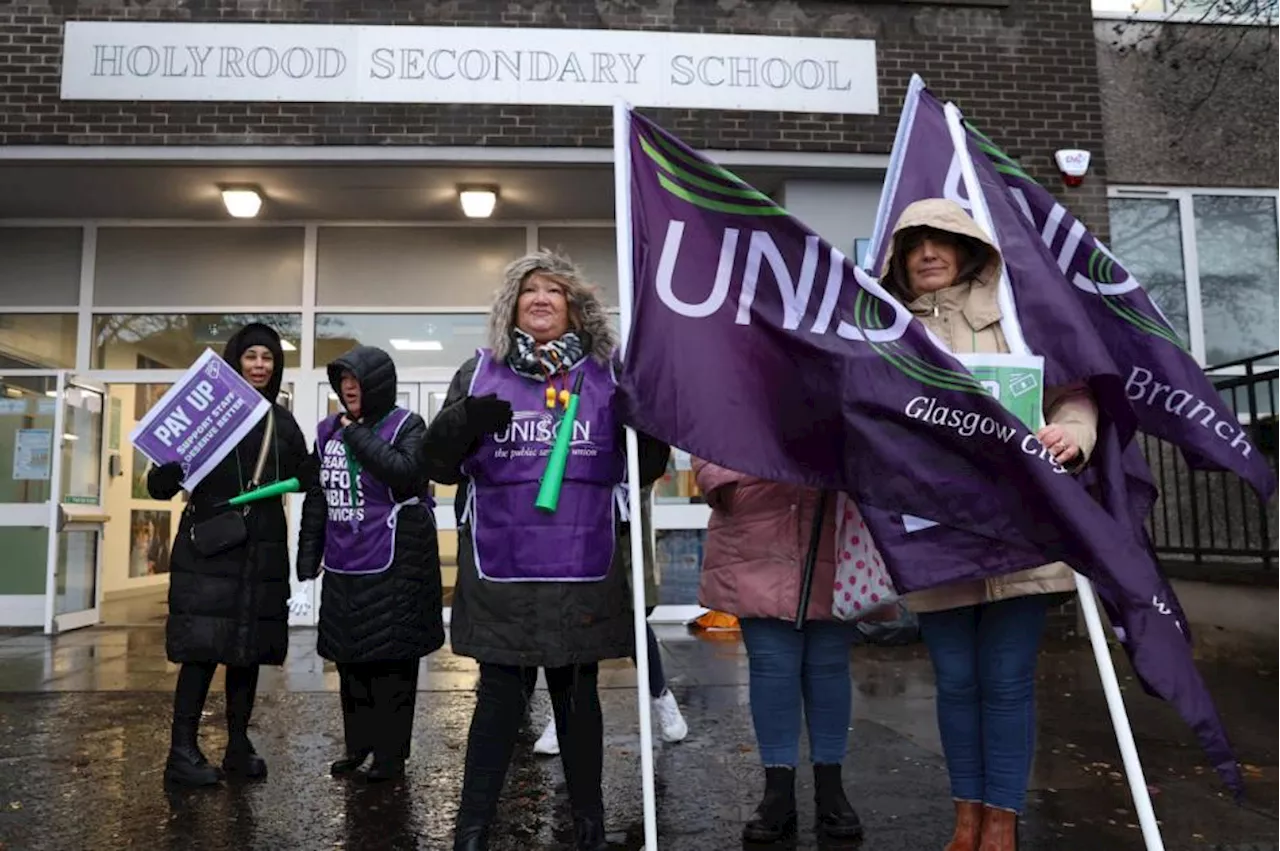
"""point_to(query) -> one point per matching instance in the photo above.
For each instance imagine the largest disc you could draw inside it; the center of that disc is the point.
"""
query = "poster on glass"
(149, 543)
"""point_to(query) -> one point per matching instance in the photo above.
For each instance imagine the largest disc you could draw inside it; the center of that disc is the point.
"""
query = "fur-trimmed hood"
(587, 314)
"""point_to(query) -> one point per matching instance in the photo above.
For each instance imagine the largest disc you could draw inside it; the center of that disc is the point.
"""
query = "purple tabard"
(361, 528)
(514, 542)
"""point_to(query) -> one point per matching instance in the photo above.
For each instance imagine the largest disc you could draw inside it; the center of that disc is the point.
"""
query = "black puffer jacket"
(533, 624)
(395, 614)
(231, 608)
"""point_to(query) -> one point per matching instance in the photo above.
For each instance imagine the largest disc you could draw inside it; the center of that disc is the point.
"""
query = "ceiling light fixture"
(242, 202)
(478, 201)
(287, 346)
(402, 345)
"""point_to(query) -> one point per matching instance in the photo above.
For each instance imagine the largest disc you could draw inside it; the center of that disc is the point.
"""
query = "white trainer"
(548, 743)
(671, 723)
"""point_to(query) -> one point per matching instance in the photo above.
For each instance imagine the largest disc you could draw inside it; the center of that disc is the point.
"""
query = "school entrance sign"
(333, 63)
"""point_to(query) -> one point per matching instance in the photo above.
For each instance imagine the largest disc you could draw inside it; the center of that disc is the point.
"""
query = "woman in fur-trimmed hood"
(538, 589)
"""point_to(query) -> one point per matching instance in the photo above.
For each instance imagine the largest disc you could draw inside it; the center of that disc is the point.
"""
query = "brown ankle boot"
(999, 830)
(968, 827)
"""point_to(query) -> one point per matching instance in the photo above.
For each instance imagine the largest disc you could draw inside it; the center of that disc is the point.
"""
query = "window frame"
(1185, 196)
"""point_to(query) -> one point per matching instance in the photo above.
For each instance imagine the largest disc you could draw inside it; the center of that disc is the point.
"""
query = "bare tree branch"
(1209, 42)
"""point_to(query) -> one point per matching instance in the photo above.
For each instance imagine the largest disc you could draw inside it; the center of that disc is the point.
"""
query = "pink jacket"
(756, 544)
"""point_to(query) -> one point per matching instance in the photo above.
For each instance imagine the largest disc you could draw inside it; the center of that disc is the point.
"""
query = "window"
(199, 267)
(594, 250)
(174, 340)
(41, 267)
(413, 266)
(412, 340)
(27, 410)
(1236, 249)
(1208, 258)
(1147, 233)
(38, 340)
(677, 484)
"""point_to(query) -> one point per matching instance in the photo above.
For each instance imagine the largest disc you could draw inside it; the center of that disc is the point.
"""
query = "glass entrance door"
(28, 407)
(74, 545)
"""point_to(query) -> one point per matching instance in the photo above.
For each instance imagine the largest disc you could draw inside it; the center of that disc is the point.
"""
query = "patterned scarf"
(537, 362)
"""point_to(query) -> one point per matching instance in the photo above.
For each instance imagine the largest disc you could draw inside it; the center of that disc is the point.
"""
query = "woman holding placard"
(983, 635)
(369, 522)
(228, 593)
(538, 588)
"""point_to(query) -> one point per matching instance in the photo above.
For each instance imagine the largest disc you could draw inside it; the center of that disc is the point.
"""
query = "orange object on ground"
(717, 621)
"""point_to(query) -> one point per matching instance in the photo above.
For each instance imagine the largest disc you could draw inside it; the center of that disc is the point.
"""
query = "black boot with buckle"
(775, 818)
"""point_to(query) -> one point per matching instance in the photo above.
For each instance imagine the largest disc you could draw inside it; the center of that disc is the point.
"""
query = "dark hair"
(974, 256)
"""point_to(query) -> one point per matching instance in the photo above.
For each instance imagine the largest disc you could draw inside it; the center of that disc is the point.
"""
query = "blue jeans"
(790, 668)
(984, 661)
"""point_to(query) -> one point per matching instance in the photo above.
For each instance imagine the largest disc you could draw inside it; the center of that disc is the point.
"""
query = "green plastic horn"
(267, 492)
(552, 479)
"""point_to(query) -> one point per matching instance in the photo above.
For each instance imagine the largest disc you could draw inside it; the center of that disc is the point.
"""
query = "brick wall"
(1188, 105)
(1025, 71)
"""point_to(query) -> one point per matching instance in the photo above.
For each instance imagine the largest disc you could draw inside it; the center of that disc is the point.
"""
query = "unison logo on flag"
(877, 318)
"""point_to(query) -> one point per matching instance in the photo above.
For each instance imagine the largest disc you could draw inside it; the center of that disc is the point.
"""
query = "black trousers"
(193, 689)
(378, 700)
(500, 708)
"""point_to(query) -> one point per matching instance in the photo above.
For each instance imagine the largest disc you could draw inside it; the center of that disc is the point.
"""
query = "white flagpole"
(897, 154)
(626, 301)
(1101, 654)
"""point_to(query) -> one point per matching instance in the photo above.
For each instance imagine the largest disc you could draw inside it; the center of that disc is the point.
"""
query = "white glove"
(300, 602)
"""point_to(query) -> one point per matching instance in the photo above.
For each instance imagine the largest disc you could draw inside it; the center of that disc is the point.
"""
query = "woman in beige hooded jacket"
(983, 635)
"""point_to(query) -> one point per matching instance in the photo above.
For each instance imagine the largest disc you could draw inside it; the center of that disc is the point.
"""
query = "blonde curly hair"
(587, 313)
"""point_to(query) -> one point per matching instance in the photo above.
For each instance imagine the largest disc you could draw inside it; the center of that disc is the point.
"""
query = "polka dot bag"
(862, 582)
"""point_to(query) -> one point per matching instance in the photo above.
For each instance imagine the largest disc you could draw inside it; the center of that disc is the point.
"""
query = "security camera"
(1072, 165)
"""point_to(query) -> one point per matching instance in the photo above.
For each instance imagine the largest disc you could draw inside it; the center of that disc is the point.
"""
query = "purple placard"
(201, 419)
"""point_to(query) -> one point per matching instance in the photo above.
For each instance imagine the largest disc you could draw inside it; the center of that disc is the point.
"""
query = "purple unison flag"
(1169, 394)
(758, 346)
(1079, 343)
(202, 418)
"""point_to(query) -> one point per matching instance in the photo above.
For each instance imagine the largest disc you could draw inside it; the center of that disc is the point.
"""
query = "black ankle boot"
(470, 836)
(242, 759)
(186, 766)
(348, 764)
(588, 832)
(834, 816)
(383, 770)
(775, 818)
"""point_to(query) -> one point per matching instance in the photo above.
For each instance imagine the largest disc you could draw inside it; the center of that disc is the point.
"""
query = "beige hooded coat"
(966, 318)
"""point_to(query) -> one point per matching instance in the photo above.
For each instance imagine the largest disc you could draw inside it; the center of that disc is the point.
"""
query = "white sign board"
(331, 63)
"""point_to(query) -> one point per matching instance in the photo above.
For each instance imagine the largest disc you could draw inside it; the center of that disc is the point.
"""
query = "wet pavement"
(84, 731)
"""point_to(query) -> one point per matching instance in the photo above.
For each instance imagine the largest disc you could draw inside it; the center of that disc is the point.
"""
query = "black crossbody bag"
(229, 530)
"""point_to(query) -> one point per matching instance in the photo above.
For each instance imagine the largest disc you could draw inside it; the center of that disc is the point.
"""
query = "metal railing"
(1213, 521)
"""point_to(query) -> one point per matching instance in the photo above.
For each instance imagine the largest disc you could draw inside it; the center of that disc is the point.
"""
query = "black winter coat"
(532, 624)
(232, 608)
(396, 614)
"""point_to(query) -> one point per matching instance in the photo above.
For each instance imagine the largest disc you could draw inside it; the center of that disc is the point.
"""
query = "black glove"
(487, 414)
(165, 481)
(308, 473)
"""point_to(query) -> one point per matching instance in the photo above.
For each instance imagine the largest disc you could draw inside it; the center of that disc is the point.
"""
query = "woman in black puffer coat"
(230, 608)
(370, 523)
